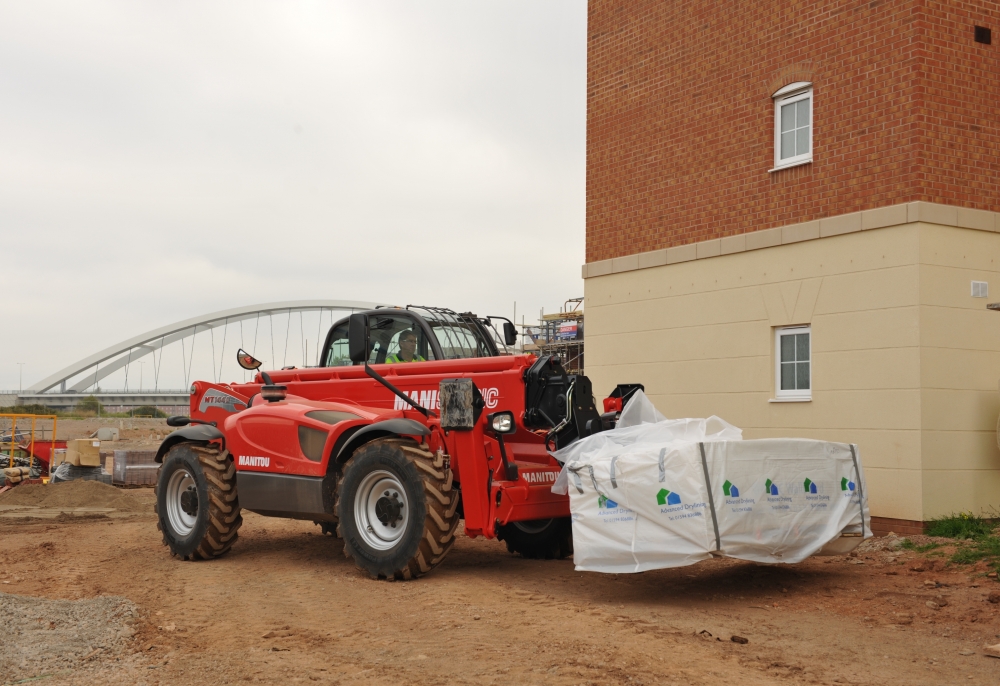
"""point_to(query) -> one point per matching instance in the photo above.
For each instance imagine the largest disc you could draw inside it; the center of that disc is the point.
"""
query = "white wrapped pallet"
(668, 493)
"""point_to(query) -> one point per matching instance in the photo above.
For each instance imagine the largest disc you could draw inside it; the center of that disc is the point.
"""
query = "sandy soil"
(133, 434)
(285, 606)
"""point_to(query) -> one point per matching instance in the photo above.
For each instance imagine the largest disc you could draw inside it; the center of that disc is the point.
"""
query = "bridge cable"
(288, 326)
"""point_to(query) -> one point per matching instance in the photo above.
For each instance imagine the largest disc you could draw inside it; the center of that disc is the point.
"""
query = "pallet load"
(134, 468)
(15, 475)
(655, 493)
(83, 452)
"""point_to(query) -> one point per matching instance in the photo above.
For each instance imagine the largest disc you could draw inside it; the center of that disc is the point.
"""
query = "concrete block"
(682, 253)
(932, 213)
(844, 223)
(806, 231)
(763, 239)
(709, 248)
(598, 268)
(655, 258)
(976, 219)
(731, 244)
(883, 216)
(628, 263)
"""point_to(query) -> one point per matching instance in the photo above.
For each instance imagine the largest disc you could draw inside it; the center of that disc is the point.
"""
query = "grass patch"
(910, 545)
(963, 526)
(975, 536)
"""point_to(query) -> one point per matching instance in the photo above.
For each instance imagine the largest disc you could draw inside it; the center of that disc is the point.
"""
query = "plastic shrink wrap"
(655, 493)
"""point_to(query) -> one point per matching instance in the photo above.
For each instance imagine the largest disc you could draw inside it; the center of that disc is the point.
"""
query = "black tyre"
(539, 539)
(397, 509)
(197, 507)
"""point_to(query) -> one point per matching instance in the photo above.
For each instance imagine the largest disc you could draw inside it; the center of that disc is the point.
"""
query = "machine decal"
(254, 461)
(430, 400)
(220, 400)
(540, 477)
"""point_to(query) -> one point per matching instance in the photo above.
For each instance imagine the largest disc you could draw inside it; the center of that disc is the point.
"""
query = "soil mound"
(73, 494)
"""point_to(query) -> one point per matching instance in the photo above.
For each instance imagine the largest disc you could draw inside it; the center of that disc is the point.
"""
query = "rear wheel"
(397, 509)
(539, 539)
(197, 508)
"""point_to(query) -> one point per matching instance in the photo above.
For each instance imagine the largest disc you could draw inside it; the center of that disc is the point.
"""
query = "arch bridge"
(67, 387)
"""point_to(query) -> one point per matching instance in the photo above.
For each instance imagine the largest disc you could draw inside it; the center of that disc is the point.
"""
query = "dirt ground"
(133, 434)
(286, 606)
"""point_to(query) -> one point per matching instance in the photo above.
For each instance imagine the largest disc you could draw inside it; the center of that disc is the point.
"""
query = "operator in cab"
(407, 349)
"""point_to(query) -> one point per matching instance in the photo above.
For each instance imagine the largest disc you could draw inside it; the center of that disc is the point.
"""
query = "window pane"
(802, 347)
(788, 377)
(788, 348)
(788, 144)
(802, 141)
(787, 117)
(803, 113)
(802, 375)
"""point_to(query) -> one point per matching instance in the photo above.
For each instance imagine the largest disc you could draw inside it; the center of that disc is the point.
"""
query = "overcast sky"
(163, 160)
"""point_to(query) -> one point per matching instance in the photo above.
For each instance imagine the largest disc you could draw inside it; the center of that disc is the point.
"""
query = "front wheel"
(538, 539)
(397, 509)
(196, 502)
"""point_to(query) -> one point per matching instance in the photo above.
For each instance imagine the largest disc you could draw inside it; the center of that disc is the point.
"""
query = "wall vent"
(980, 289)
(984, 35)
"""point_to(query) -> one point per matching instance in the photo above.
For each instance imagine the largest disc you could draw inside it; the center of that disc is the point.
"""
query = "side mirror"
(509, 333)
(246, 360)
(357, 337)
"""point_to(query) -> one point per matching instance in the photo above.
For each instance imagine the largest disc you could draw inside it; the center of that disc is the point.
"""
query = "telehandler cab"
(387, 456)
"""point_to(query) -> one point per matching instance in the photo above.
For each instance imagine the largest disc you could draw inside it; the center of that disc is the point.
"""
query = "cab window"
(385, 332)
(339, 353)
(385, 336)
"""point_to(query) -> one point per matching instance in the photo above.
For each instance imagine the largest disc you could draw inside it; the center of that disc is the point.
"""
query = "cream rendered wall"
(886, 311)
(959, 369)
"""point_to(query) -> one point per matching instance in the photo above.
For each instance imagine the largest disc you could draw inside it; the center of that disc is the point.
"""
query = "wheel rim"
(381, 510)
(182, 502)
(533, 526)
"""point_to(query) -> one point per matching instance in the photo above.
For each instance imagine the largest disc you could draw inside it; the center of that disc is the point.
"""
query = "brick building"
(793, 218)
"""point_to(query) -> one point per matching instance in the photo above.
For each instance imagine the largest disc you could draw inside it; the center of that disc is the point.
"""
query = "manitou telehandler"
(414, 419)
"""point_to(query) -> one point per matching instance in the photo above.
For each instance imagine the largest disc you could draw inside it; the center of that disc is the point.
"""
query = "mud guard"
(196, 433)
(389, 427)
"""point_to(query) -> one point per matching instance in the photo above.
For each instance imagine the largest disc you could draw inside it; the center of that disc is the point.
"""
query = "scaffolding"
(29, 439)
(560, 334)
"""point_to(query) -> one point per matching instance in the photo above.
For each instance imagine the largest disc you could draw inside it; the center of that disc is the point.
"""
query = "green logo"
(846, 485)
(770, 488)
(730, 489)
(665, 497)
(810, 486)
(606, 503)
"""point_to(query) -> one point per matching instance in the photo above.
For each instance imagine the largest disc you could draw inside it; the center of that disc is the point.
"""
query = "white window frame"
(793, 92)
(793, 395)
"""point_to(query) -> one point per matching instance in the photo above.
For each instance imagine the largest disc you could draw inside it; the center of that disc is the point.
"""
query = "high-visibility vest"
(394, 358)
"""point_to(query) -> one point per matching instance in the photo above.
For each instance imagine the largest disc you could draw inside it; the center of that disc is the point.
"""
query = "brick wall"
(680, 120)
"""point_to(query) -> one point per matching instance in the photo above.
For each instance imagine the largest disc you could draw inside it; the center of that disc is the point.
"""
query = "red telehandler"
(415, 419)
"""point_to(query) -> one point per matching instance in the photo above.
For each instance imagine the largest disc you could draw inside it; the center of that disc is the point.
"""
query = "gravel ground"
(47, 637)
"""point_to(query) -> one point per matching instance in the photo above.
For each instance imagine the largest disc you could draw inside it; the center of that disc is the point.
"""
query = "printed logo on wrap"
(849, 489)
(772, 496)
(670, 504)
(815, 498)
(215, 398)
(610, 511)
(732, 497)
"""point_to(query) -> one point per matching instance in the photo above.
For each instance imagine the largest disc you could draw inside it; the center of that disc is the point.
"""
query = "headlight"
(502, 422)
(194, 389)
